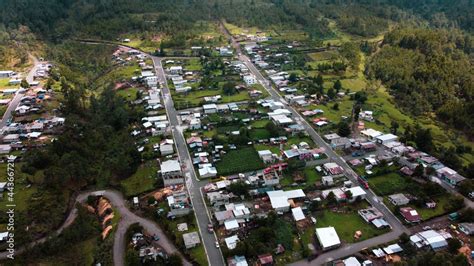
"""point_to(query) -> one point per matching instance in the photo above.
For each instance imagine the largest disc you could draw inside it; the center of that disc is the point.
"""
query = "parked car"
(217, 244)
(210, 229)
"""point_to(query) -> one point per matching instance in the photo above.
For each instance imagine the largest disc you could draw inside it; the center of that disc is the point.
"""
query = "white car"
(217, 244)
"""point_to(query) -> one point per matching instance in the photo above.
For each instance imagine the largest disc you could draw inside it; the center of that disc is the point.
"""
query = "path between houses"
(127, 218)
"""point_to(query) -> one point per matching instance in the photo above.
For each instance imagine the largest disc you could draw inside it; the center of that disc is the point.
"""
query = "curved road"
(127, 218)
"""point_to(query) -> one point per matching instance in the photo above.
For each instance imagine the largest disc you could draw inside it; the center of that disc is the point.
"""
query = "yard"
(142, 181)
(346, 224)
(23, 192)
(239, 161)
(388, 183)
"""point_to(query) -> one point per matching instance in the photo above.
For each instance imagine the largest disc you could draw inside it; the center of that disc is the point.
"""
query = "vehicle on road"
(156, 237)
(210, 229)
(217, 244)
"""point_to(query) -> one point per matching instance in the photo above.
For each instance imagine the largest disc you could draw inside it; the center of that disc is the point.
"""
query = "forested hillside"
(429, 71)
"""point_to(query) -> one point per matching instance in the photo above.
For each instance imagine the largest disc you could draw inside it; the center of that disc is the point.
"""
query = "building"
(351, 261)
(328, 238)
(6, 74)
(207, 170)
(231, 225)
(387, 138)
(298, 214)
(398, 199)
(166, 149)
(210, 108)
(171, 173)
(265, 259)
(279, 198)
(176, 70)
(218, 199)
(231, 242)
(449, 176)
(179, 204)
(250, 80)
(356, 192)
(333, 168)
(467, 228)
(370, 214)
(237, 261)
(430, 238)
(371, 133)
(410, 215)
(266, 156)
(191, 240)
(5, 148)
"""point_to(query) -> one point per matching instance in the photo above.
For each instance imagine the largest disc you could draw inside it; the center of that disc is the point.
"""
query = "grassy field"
(23, 193)
(4, 83)
(388, 184)
(441, 203)
(130, 94)
(259, 133)
(324, 55)
(346, 224)
(193, 65)
(239, 161)
(142, 181)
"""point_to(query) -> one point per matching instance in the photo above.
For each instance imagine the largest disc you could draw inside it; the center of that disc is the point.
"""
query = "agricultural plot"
(239, 161)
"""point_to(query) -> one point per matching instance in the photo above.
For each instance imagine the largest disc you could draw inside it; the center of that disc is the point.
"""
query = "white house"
(384, 139)
(328, 238)
(279, 198)
(171, 172)
(250, 80)
(210, 108)
(176, 70)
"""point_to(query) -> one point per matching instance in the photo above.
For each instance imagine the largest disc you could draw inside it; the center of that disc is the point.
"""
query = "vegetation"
(239, 161)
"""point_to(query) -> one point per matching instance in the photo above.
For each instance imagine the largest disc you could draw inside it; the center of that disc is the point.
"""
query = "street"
(193, 185)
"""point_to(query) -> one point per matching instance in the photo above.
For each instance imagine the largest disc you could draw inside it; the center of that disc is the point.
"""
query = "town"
(254, 148)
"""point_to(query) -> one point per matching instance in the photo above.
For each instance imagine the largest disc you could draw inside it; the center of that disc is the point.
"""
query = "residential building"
(191, 240)
(328, 238)
(398, 199)
(333, 168)
(231, 242)
(210, 108)
(171, 173)
(250, 80)
(237, 261)
(467, 228)
(218, 198)
(179, 204)
(430, 238)
(449, 176)
(410, 215)
(266, 156)
(387, 138)
(279, 198)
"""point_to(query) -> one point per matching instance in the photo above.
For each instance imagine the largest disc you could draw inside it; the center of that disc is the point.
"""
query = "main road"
(397, 227)
(19, 94)
(193, 185)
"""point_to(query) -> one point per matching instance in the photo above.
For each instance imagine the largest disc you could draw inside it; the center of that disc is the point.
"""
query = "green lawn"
(441, 203)
(239, 161)
(259, 133)
(23, 193)
(259, 123)
(311, 175)
(273, 148)
(324, 55)
(388, 184)
(193, 65)
(346, 224)
(4, 83)
(142, 181)
(129, 94)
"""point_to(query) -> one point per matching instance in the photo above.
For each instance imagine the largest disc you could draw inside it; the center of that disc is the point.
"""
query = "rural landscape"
(237, 132)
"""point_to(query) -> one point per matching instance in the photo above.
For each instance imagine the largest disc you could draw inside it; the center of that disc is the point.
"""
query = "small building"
(371, 133)
(171, 173)
(191, 240)
(327, 180)
(237, 261)
(5, 148)
(328, 238)
(207, 171)
(370, 214)
(231, 242)
(210, 108)
(250, 80)
(266, 156)
(166, 149)
(449, 176)
(279, 198)
(410, 215)
(6, 74)
(431, 238)
(265, 260)
(398, 199)
(387, 138)
(179, 204)
(231, 225)
(333, 168)
(466, 228)
(351, 261)
(298, 214)
(176, 70)
(223, 216)
(11, 138)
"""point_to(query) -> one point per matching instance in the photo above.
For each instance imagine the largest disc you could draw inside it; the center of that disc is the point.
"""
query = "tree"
(272, 129)
(453, 245)
(335, 106)
(331, 198)
(174, 260)
(348, 194)
(239, 188)
(419, 170)
(24, 84)
(343, 129)
(467, 215)
(394, 127)
(229, 88)
(293, 77)
(360, 97)
(319, 80)
(331, 93)
(337, 85)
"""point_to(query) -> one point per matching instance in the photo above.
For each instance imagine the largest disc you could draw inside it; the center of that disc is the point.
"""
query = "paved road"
(397, 227)
(193, 185)
(16, 99)
(127, 218)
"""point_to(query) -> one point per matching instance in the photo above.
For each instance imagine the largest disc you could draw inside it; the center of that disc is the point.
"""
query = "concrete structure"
(298, 214)
(328, 238)
(435, 240)
(387, 138)
(171, 173)
(398, 199)
(191, 240)
(467, 228)
(279, 198)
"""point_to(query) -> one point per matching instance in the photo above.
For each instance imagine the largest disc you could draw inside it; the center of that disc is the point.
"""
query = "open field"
(239, 161)
(142, 181)
(388, 184)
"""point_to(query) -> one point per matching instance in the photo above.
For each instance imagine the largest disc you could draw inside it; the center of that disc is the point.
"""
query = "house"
(328, 238)
(207, 170)
(265, 259)
(250, 80)
(371, 133)
(410, 215)
(366, 115)
(340, 143)
(223, 216)
(338, 193)
(11, 138)
(370, 214)
(466, 228)
(266, 156)
(327, 180)
(356, 192)
(279, 198)
(281, 120)
(239, 210)
(191, 240)
(195, 124)
(449, 176)
(5, 148)
(171, 173)
(179, 204)
(6, 74)
(231, 225)
(176, 70)
(351, 261)
(210, 108)
(298, 214)
(387, 138)
(333, 168)
(398, 199)
(218, 198)
(166, 149)
(237, 261)
(231, 242)
(430, 238)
